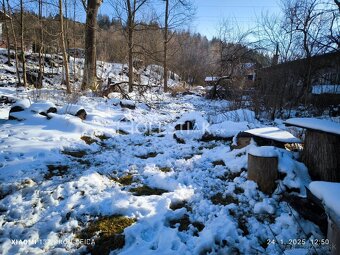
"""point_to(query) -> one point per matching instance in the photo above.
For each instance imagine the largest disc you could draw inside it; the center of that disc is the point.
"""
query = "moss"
(122, 132)
(102, 137)
(180, 204)
(165, 169)
(124, 180)
(238, 190)
(107, 232)
(76, 154)
(147, 191)
(219, 199)
(56, 170)
(88, 140)
(184, 223)
(149, 155)
(229, 176)
(242, 224)
(218, 163)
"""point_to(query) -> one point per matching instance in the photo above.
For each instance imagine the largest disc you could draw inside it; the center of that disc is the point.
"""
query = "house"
(211, 80)
(3, 18)
(291, 83)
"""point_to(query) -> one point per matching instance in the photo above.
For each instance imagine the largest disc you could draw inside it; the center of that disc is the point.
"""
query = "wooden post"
(264, 171)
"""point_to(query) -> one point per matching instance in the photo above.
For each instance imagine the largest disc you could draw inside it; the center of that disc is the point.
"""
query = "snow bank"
(316, 124)
(228, 128)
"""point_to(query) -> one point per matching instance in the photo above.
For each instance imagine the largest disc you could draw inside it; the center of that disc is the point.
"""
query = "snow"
(263, 151)
(211, 78)
(328, 192)
(316, 124)
(52, 206)
(228, 128)
(41, 106)
(325, 89)
(274, 133)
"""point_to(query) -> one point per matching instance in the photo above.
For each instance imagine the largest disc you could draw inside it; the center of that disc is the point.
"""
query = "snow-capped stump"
(129, 104)
(75, 110)
(263, 167)
(321, 147)
(17, 107)
(329, 192)
(43, 108)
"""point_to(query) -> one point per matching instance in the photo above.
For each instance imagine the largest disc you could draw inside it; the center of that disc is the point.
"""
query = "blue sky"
(210, 13)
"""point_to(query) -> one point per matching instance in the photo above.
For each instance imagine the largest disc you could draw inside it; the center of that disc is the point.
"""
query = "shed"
(321, 147)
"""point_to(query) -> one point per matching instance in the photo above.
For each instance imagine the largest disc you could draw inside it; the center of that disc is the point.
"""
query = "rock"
(6, 100)
(187, 125)
(19, 106)
(43, 108)
(75, 110)
(81, 114)
(127, 104)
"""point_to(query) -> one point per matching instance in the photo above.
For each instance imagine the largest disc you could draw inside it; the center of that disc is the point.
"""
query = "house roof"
(4, 16)
(326, 89)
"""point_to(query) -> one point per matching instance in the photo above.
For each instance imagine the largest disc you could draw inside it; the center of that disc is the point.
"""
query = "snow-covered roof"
(328, 192)
(327, 126)
(274, 133)
(211, 78)
(326, 89)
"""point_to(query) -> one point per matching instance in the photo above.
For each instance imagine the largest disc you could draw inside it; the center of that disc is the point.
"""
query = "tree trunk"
(165, 45)
(263, 170)
(41, 71)
(90, 72)
(22, 44)
(130, 44)
(7, 34)
(65, 59)
(15, 47)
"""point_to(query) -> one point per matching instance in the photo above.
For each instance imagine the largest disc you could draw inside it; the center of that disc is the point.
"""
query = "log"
(264, 171)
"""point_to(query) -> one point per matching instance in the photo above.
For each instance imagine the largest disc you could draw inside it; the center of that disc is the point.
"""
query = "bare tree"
(177, 13)
(90, 72)
(7, 33)
(63, 46)
(126, 11)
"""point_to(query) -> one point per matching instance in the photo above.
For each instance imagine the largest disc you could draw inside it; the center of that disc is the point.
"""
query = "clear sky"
(210, 13)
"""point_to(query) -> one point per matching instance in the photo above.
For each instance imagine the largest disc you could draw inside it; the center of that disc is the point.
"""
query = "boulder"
(19, 106)
(75, 110)
(43, 108)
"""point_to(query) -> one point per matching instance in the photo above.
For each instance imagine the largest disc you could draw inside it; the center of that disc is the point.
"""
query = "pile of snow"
(228, 128)
(316, 124)
(263, 151)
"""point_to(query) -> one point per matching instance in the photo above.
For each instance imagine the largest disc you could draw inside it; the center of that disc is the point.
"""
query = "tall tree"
(63, 46)
(90, 72)
(7, 33)
(177, 13)
(127, 10)
(22, 43)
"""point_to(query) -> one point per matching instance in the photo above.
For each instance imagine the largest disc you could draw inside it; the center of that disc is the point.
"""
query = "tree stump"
(263, 169)
(333, 232)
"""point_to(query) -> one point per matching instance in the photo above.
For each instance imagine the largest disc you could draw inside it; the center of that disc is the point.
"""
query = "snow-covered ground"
(58, 175)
